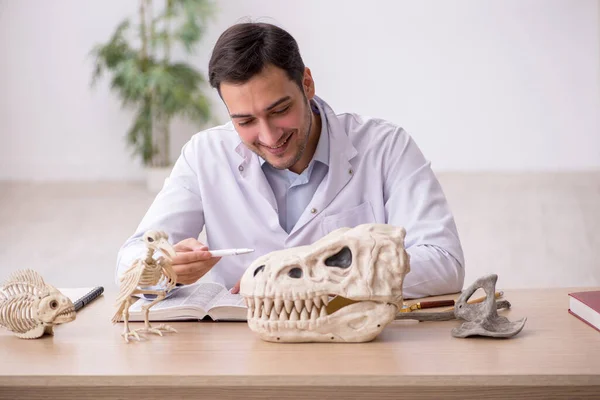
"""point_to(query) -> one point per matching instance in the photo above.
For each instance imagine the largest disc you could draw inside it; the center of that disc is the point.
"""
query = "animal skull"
(287, 291)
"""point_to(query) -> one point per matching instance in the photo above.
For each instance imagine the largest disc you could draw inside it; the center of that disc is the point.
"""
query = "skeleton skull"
(288, 291)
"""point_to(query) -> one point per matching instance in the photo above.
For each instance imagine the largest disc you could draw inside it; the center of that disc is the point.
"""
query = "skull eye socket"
(341, 259)
(53, 304)
(150, 239)
(257, 270)
(295, 273)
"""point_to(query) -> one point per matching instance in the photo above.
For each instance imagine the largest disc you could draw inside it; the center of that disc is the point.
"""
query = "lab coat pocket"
(361, 214)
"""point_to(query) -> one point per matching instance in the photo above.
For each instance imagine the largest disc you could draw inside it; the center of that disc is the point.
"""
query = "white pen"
(229, 252)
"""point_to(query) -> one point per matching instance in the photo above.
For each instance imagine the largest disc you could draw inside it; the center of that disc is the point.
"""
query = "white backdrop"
(508, 85)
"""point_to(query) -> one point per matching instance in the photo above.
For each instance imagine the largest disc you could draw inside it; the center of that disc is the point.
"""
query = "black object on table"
(89, 297)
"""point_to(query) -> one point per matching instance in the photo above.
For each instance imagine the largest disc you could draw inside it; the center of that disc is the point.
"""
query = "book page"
(198, 295)
(203, 295)
(228, 307)
(229, 299)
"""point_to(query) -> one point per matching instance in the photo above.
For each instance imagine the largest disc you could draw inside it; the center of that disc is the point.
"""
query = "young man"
(287, 170)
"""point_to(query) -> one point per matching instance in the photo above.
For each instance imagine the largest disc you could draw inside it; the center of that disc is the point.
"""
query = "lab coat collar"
(323, 149)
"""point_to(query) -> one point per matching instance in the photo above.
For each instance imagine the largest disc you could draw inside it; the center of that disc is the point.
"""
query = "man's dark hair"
(244, 49)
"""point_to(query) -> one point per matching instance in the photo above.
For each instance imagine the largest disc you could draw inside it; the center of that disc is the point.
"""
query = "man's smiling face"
(272, 116)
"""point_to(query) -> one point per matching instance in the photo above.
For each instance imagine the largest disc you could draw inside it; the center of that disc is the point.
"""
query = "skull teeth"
(268, 305)
(304, 315)
(278, 307)
(317, 302)
(289, 304)
(309, 304)
(294, 315)
(314, 314)
(323, 312)
(269, 309)
(66, 312)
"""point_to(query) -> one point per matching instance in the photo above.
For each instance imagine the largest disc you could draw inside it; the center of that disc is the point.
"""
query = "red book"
(586, 307)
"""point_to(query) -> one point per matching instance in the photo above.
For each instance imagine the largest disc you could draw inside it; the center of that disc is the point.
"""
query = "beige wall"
(481, 85)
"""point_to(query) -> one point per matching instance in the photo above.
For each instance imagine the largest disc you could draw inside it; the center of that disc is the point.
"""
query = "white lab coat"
(376, 174)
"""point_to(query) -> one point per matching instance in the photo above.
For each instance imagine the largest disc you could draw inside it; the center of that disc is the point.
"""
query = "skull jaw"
(355, 323)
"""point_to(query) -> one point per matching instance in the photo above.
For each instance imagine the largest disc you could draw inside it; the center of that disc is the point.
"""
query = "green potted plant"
(144, 76)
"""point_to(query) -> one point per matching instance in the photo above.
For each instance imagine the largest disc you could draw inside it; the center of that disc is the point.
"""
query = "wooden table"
(555, 356)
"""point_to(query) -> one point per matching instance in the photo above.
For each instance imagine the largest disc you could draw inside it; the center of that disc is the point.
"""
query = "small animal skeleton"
(30, 308)
(146, 272)
(481, 319)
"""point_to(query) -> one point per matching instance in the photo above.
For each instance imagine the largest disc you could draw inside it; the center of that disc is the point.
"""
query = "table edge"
(287, 380)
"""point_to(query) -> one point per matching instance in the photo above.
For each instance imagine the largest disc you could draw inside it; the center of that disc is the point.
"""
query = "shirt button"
(313, 210)
(350, 171)
(241, 168)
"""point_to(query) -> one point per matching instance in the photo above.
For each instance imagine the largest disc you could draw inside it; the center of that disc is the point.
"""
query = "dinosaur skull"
(288, 291)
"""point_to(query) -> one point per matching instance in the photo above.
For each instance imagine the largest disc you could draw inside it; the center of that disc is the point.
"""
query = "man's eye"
(281, 111)
(244, 123)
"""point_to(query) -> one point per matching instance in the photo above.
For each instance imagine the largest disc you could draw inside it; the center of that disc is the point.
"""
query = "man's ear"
(308, 84)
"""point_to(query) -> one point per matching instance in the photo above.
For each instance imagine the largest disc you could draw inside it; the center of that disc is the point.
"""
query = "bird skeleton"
(146, 272)
(30, 308)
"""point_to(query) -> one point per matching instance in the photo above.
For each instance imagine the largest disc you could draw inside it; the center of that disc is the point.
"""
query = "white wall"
(481, 85)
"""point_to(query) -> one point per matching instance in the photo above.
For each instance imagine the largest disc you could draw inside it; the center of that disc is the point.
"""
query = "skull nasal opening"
(257, 270)
(341, 259)
(295, 273)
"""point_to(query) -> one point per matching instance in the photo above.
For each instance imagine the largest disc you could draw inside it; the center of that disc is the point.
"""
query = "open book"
(194, 302)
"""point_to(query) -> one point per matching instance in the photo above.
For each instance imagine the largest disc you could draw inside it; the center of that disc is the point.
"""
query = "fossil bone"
(143, 273)
(482, 319)
(30, 308)
(288, 291)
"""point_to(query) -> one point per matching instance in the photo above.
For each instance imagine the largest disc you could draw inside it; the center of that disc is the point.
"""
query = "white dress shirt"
(376, 173)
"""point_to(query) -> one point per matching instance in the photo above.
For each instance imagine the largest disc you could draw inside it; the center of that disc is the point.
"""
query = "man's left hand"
(236, 288)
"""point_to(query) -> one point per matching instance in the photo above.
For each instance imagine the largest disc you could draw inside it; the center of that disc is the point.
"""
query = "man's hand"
(193, 261)
(236, 288)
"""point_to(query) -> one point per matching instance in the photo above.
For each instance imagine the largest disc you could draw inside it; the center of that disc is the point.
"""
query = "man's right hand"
(193, 261)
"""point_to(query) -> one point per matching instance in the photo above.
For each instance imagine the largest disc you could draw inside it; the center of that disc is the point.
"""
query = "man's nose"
(268, 135)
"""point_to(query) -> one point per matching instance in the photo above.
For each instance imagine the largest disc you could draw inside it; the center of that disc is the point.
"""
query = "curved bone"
(482, 319)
